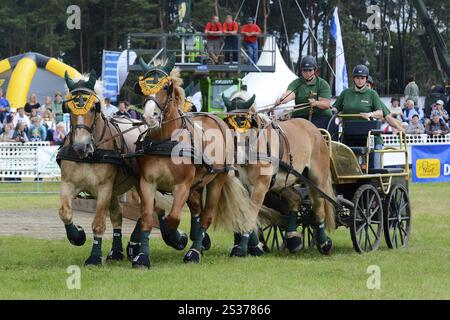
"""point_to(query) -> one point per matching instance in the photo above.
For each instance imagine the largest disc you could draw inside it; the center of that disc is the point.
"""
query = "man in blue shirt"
(4, 106)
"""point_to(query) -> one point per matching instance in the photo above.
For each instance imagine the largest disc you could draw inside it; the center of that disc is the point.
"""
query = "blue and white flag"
(341, 81)
(110, 75)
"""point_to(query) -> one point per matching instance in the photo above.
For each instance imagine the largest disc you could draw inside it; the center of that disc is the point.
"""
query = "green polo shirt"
(319, 88)
(351, 101)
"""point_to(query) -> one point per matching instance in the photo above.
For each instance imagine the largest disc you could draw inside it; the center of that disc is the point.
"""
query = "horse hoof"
(238, 252)
(115, 255)
(294, 244)
(192, 256)
(181, 244)
(206, 243)
(95, 261)
(80, 239)
(326, 247)
(256, 251)
(133, 250)
(141, 261)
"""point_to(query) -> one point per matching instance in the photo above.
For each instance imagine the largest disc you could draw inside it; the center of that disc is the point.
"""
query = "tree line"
(32, 25)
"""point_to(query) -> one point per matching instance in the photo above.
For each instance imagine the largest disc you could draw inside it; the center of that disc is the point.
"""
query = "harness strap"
(309, 183)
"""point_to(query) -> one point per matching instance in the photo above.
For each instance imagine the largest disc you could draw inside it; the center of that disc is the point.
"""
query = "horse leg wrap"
(197, 234)
(321, 234)
(195, 227)
(75, 234)
(237, 238)
(136, 234)
(253, 240)
(117, 240)
(172, 238)
(292, 221)
(95, 259)
(244, 241)
(145, 249)
(255, 248)
(293, 241)
(97, 247)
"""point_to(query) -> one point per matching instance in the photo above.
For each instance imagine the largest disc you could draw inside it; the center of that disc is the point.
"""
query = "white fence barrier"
(28, 160)
(393, 159)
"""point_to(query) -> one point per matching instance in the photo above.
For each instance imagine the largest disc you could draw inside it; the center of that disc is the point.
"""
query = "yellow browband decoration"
(81, 111)
(147, 87)
(243, 129)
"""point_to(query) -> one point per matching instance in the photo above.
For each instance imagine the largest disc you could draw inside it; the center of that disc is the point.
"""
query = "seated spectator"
(21, 117)
(8, 132)
(251, 31)
(409, 111)
(441, 111)
(32, 103)
(4, 106)
(48, 120)
(109, 109)
(396, 110)
(415, 126)
(57, 107)
(213, 30)
(59, 134)
(123, 110)
(48, 105)
(436, 127)
(20, 134)
(133, 113)
(37, 131)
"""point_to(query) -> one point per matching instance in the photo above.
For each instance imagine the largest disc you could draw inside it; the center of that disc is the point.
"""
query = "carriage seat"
(360, 151)
(385, 170)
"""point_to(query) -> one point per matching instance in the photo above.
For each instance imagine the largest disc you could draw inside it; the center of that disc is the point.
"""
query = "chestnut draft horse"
(185, 176)
(294, 144)
(91, 161)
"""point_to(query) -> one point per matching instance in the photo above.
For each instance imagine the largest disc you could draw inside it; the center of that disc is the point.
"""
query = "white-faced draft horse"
(226, 200)
(91, 161)
(278, 152)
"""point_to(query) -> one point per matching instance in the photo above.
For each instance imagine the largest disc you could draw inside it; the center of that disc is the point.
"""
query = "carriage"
(369, 202)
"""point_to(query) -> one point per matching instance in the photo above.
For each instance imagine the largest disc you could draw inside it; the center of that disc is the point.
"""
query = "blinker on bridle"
(80, 101)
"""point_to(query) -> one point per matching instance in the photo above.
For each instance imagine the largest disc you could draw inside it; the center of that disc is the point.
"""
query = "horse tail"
(330, 222)
(235, 212)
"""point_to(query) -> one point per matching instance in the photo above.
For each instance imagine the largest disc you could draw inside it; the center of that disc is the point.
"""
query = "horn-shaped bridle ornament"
(156, 79)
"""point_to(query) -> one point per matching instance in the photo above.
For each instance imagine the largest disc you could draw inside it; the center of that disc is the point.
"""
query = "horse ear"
(65, 109)
(69, 82)
(137, 89)
(247, 104)
(170, 64)
(143, 65)
(226, 101)
(92, 79)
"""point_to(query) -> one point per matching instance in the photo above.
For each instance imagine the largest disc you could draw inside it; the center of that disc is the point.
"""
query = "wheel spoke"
(367, 237)
(375, 211)
(373, 231)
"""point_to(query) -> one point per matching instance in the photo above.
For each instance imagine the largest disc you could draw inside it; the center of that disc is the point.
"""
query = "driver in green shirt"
(363, 101)
(309, 88)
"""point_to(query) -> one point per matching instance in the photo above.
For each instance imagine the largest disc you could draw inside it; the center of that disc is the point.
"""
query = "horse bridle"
(89, 129)
(162, 108)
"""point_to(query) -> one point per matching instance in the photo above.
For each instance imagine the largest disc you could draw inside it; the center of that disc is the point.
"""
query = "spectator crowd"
(44, 122)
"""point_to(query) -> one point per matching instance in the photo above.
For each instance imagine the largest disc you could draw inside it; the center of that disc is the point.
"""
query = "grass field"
(36, 269)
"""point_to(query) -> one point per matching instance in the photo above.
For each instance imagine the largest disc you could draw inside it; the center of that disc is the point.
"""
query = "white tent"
(268, 86)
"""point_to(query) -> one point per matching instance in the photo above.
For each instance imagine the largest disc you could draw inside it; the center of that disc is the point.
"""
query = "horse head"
(160, 85)
(84, 104)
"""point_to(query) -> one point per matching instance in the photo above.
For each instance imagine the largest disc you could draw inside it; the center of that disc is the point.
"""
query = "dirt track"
(45, 224)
